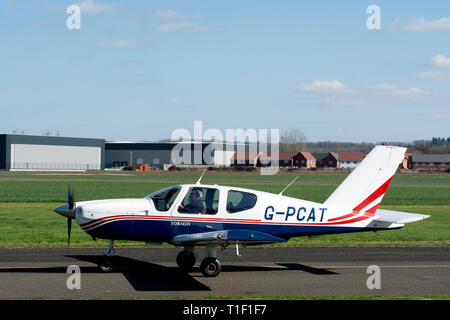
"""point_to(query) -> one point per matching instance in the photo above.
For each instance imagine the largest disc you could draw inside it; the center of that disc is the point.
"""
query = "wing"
(225, 237)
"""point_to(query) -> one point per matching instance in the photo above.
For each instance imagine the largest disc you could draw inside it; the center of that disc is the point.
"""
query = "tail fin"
(365, 187)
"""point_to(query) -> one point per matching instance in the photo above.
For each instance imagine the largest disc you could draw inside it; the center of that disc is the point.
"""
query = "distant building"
(350, 159)
(429, 161)
(331, 160)
(343, 160)
(319, 158)
(281, 159)
(28, 152)
(158, 154)
(404, 163)
(245, 158)
(304, 159)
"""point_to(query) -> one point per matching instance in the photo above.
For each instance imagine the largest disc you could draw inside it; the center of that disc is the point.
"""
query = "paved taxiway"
(265, 271)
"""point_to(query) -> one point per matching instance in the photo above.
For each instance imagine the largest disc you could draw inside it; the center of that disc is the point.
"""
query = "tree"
(292, 140)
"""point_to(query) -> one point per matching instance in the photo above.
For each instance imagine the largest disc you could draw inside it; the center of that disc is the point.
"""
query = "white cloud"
(440, 60)
(434, 75)
(175, 101)
(88, 6)
(421, 25)
(180, 22)
(333, 93)
(167, 14)
(117, 44)
(438, 116)
(322, 86)
(183, 26)
(393, 90)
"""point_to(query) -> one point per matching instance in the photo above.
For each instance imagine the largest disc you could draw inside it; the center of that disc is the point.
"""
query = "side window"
(240, 201)
(200, 201)
(164, 200)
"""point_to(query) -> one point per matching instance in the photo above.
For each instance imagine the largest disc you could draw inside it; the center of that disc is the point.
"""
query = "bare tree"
(293, 140)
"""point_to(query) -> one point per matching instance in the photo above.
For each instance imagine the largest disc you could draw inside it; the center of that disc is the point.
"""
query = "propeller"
(68, 210)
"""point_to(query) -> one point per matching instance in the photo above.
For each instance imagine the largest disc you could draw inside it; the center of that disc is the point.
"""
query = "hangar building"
(26, 152)
(157, 154)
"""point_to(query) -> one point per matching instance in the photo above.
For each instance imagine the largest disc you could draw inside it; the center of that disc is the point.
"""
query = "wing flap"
(226, 237)
(398, 216)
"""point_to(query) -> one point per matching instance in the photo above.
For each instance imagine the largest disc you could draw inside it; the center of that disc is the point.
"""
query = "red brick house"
(285, 159)
(331, 160)
(342, 159)
(304, 159)
(319, 158)
(404, 164)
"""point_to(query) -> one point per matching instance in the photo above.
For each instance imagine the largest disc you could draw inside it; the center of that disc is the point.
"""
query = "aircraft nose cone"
(65, 211)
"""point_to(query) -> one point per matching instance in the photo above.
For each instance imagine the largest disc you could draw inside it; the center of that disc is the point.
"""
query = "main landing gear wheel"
(186, 260)
(106, 265)
(210, 267)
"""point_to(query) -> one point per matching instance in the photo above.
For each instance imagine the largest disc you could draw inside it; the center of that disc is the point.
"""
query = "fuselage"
(167, 213)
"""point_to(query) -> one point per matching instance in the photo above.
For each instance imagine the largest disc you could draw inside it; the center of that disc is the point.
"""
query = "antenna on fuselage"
(281, 193)
(200, 179)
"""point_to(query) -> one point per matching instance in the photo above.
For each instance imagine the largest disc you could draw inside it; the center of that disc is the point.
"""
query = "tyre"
(106, 266)
(186, 260)
(210, 267)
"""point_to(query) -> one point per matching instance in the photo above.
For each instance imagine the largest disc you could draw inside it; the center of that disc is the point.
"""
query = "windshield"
(164, 199)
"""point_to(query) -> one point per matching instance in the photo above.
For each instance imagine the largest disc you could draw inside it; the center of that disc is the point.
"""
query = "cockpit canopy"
(200, 199)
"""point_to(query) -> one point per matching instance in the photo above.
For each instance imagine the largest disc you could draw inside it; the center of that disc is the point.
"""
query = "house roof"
(319, 156)
(246, 155)
(430, 158)
(281, 155)
(307, 155)
(351, 156)
(334, 155)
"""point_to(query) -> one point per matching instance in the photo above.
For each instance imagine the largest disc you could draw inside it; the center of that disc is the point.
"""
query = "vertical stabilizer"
(366, 185)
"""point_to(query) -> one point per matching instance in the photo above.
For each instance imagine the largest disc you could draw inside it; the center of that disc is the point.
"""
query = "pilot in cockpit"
(196, 203)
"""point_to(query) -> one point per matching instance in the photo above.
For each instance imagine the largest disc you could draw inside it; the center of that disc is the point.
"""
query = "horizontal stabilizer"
(226, 237)
(398, 216)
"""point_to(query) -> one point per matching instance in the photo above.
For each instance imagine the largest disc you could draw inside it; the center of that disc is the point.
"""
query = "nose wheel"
(106, 265)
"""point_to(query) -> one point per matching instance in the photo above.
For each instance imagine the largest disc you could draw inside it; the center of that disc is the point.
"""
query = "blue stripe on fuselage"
(164, 231)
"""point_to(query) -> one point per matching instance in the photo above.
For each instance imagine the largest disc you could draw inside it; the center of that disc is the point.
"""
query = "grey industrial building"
(158, 154)
(27, 152)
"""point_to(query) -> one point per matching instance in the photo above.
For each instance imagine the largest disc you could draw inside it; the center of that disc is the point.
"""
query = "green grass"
(27, 218)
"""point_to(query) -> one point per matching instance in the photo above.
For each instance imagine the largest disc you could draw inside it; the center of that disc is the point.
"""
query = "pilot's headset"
(198, 193)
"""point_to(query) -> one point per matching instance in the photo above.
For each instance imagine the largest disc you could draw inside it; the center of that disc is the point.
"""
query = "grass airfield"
(27, 200)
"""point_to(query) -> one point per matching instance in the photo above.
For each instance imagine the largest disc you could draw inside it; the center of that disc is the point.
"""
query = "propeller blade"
(69, 228)
(70, 197)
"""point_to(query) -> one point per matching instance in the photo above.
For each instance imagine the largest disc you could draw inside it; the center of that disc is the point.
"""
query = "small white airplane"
(215, 216)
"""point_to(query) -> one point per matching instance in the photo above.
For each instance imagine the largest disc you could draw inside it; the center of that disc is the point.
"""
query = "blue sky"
(137, 70)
